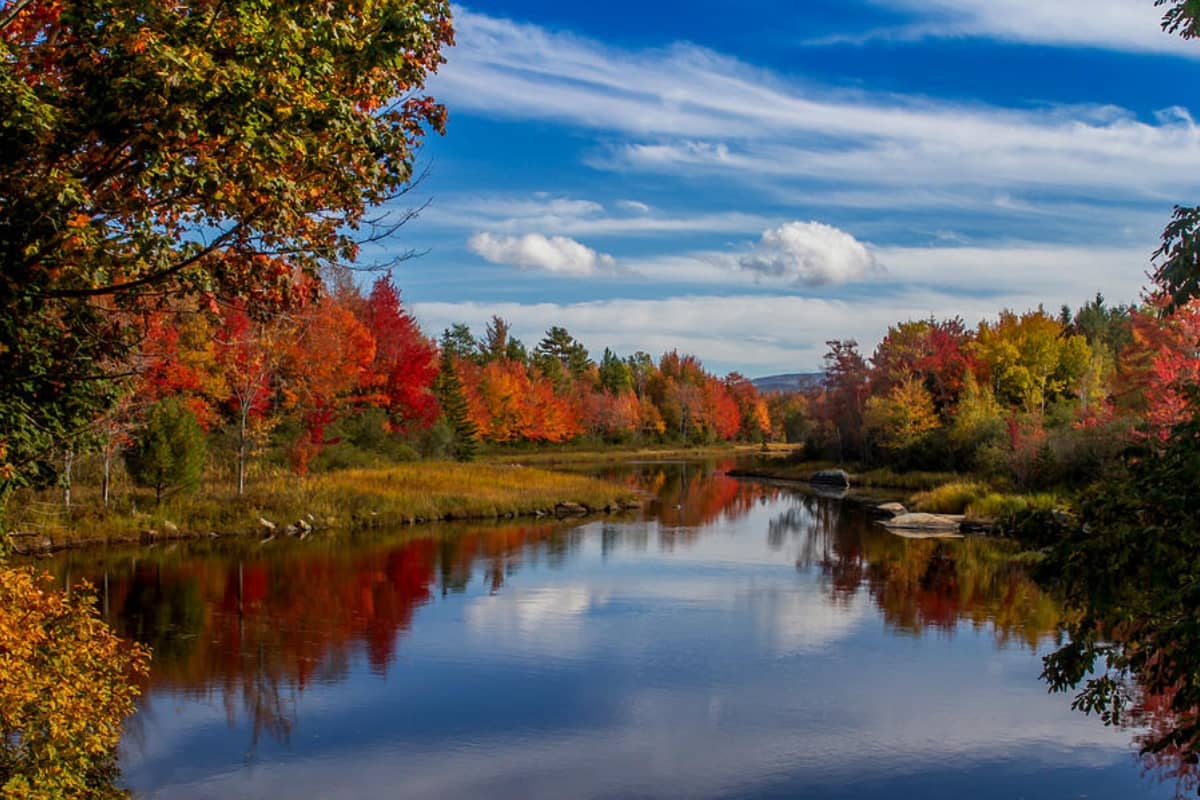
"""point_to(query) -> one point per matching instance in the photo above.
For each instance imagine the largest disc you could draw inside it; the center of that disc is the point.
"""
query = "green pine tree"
(454, 409)
(169, 450)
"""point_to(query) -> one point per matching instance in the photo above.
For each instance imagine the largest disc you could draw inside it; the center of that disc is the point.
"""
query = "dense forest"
(1031, 398)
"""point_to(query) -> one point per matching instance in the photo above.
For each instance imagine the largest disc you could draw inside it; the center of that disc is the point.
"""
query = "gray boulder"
(831, 477)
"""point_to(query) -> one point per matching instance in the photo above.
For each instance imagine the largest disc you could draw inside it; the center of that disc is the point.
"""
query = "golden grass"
(354, 499)
(913, 481)
(997, 506)
(551, 455)
(980, 502)
(949, 498)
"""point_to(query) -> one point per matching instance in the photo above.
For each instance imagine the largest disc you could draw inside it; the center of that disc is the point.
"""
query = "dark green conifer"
(455, 412)
(168, 449)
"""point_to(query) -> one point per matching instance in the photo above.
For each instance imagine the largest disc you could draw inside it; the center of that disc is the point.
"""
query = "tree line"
(1033, 397)
(350, 376)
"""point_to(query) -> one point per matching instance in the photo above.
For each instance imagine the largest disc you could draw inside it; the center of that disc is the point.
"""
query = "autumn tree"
(405, 364)
(494, 344)
(1030, 358)
(1161, 367)
(156, 149)
(843, 401)
(755, 418)
(326, 362)
(67, 685)
(1126, 569)
(250, 355)
(902, 417)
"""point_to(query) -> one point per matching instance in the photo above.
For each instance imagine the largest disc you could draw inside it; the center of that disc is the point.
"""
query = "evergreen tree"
(559, 345)
(455, 412)
(458, 341)
(615, 374)
(168, 450)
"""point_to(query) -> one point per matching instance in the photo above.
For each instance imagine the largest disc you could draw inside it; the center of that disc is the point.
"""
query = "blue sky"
(744, 182)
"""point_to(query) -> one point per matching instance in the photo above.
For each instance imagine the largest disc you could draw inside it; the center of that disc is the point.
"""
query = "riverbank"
(404, 494)
(979, 502)
(567, 455)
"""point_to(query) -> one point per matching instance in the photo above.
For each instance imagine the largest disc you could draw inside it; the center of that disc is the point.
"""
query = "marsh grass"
(352, 498)
(568, 455)
(912, 481)
(981, 502)
(949, 498)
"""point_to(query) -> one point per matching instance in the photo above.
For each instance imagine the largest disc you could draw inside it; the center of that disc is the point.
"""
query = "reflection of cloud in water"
(675, 744)
(804, 620)
(785, 617)
(547, 615)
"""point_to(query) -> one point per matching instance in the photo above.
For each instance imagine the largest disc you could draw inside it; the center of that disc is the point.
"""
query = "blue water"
(730, 640)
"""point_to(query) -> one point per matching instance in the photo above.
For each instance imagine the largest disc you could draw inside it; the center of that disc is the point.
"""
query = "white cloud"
(1130, 25)
(567, 216)
(686, 109)
(558, 254)
(763, 333)
(811, 253)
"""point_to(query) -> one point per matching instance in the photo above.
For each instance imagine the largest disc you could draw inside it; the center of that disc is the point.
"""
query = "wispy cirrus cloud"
(569, 216)
(685, 109)
(1127, 25)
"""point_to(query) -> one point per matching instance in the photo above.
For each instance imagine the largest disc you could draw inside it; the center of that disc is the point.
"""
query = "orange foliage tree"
(328, 358)
(66, 685)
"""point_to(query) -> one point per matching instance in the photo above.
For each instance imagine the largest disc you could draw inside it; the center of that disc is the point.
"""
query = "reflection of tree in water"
(257, 626)
(917, 584)
(1156, 719)
(165, 614)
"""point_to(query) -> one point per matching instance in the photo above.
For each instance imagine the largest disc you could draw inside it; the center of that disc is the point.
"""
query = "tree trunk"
(68, 458)
(106, 479)
(241, 461)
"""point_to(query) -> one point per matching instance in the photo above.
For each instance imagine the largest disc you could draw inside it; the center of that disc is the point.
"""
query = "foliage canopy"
(150, 150)
(66, 684)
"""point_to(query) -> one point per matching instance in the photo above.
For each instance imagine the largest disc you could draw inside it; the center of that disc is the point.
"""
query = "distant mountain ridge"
(789, 382)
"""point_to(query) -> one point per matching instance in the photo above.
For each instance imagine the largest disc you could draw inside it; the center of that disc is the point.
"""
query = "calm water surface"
(734, 639)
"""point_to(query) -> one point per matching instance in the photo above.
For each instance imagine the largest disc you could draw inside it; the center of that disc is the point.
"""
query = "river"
(731, 639)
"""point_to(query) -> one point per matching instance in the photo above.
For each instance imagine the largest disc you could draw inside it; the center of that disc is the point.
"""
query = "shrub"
(66, 684)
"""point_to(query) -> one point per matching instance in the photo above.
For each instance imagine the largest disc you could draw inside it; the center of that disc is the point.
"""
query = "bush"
(168, 449)
(66, 684)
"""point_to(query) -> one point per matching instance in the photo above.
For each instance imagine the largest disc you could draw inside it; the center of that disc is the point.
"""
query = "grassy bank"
(568, 454)
(980, 501)
(348, 499)
(930, 492)
(776, 468)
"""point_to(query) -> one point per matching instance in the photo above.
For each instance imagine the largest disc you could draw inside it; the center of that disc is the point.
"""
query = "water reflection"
(690, 622)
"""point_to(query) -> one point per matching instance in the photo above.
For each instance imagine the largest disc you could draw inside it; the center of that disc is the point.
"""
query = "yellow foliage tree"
(66, 684)
(902, 417)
